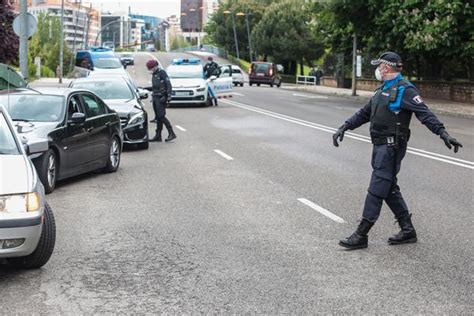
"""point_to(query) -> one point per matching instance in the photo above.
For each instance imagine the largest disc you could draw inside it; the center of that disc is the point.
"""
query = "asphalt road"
(215, 221)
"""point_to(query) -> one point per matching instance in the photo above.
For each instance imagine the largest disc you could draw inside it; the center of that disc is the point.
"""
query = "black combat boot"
(157, 138)
(171, 135)
(407, 233)
(215, 102)
(359, 238)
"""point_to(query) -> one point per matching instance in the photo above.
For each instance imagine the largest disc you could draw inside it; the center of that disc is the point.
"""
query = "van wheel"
(242, 84)
(271, 85)
(113, 161)
(48, 170)
(258, 85)
(45, 246)
(279, 84)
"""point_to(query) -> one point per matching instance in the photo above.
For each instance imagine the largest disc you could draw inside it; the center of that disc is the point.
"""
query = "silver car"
(27, 227)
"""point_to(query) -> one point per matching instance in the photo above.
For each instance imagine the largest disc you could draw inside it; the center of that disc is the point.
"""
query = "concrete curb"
(364, 98)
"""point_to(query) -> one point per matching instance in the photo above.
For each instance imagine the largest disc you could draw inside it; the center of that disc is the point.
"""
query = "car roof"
(43, 90)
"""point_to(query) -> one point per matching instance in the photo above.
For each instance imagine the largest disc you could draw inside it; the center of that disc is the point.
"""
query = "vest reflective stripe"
(383, 122)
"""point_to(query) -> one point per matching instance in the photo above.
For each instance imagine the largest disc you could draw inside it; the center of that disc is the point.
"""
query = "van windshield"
(107, 63)
(261, 67)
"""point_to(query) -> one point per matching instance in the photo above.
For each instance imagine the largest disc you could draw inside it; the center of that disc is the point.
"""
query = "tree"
(285, 33)
(46, 45)
(10, 41)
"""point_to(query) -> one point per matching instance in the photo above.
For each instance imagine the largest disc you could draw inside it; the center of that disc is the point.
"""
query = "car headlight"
(201, 89)
(19, 203)
(137, 118)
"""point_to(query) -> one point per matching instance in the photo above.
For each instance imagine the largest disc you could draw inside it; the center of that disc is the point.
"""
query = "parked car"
(265, 73)
(27, 227)
(120, 96)
(98, 60)
(127, 59)
(83, 133)
(237, 74)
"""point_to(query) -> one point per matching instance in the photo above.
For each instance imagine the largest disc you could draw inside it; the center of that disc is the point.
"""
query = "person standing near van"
(161, 96)
(211, 69)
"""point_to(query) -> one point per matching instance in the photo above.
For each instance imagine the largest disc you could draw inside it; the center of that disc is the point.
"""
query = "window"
(74, 106)
(93, 108)
(8, 144)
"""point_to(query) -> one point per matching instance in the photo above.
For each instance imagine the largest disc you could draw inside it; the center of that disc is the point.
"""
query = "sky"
(159, 8)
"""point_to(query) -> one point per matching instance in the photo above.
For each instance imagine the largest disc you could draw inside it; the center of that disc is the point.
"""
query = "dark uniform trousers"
(159, 106)
(386, 163)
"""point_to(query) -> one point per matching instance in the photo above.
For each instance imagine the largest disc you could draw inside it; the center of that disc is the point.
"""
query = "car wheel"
(271, 85)
(48, 170)
(113, 161)
(242, 84)
(250, 83)
(45, 246)
(143, 146)
(258, 85)
(279, 84)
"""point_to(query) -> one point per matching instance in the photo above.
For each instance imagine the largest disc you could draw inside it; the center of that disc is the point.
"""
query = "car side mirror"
(77, 118)
(35, 146)
(212, 78)
(142, 93)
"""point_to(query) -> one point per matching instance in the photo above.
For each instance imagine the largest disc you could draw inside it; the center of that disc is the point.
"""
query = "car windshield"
(177, 72)
(260, 67)
(127, 55)
(107, 90)
(107, 63)
(8, 145)
(34, 107)
(236, 71)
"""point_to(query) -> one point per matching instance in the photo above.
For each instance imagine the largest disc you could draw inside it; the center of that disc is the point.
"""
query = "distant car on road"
(98, 60)
(127, 59)
(27, 227)
(120, 96)
(237, 74)
(83, 133)
(265, 73)
(189, 85)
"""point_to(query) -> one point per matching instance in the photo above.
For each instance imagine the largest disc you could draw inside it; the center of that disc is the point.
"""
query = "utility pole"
(248, 34)
(354, 65)
(61, 45)
(235, 38)
(23, 52)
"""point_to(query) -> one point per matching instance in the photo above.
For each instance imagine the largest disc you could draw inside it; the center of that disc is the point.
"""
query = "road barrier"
(306, 80)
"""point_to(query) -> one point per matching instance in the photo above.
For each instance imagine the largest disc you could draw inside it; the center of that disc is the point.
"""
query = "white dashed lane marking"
(223, 154)
(321, 210)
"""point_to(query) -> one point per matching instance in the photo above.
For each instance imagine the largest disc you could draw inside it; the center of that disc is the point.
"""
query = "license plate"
(182, 93)
(260, 75)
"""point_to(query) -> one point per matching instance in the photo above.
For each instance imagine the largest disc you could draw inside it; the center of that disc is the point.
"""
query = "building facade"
(116, 30)
(81, 23)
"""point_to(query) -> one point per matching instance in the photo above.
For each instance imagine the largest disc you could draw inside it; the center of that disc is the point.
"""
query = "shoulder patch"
(417, 99)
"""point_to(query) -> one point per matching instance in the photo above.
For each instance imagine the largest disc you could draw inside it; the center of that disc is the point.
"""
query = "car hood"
(124, 107)
(17, 174)
(187, 82)
(35, 129)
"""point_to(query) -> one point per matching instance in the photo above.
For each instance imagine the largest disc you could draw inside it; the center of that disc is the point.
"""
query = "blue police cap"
(388, 58)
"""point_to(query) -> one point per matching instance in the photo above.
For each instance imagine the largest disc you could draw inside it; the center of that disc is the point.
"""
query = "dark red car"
(265, 73)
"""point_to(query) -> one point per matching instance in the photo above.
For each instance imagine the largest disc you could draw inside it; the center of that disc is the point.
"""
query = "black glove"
(450, 141)
(168, 100)
(339, 134)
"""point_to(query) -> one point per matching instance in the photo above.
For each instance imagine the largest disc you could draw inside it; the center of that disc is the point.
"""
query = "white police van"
(190, 86)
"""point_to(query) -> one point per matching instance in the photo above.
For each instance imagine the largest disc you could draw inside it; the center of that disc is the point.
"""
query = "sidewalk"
(438, 106)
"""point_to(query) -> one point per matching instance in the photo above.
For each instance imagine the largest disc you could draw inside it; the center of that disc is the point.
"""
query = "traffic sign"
(32, 25)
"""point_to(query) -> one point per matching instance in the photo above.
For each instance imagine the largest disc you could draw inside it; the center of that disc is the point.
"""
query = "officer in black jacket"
(161, 96)
(389, 112)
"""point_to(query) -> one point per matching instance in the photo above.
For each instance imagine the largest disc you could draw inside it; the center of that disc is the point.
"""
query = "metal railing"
(306, 80)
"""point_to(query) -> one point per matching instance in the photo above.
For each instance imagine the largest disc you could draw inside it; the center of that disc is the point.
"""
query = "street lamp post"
(235, 34)
(248, 35)
(61, 45)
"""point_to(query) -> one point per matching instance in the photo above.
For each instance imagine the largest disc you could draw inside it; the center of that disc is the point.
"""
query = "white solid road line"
(239, 94)
(310, 96)
(223, 154)
(321, 210)
(415, 151)
(180, 128)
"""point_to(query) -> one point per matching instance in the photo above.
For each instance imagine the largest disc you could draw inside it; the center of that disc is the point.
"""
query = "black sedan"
(84, 134)
(119, 95)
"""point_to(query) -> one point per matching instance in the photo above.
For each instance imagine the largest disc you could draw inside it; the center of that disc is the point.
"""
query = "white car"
(27, 227)
(237, 74)
(189, 85)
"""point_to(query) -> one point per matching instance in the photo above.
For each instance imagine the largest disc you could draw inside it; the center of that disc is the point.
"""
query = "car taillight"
(270, 73)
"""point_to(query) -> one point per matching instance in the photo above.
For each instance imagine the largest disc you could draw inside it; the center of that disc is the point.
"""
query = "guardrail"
(306, 80)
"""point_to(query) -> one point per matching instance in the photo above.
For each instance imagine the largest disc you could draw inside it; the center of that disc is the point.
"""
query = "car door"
(223, 84)
(98, 126)
(76, 142)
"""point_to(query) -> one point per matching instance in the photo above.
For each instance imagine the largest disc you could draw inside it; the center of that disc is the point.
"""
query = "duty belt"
(388, 140)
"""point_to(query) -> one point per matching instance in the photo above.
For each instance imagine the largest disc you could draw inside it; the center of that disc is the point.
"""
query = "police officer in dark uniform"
(389, 112)
(211, 69)
(161, 96)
